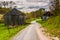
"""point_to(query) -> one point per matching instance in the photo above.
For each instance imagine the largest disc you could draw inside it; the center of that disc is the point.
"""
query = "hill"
(2, 12)
(52, 25)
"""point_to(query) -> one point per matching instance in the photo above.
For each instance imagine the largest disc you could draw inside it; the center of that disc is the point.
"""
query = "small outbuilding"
(14, 17)
(46, 15)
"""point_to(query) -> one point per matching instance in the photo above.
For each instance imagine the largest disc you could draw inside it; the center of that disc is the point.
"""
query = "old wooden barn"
(14, 17)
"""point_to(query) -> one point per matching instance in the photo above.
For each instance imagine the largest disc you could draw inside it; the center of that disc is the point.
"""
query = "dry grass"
(52, 25)
(1, 16)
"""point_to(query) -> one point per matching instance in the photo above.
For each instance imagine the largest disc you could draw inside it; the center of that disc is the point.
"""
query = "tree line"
(35, 14)
(6, 4)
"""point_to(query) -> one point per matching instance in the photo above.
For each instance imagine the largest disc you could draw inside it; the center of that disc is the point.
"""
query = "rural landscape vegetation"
(51, 21)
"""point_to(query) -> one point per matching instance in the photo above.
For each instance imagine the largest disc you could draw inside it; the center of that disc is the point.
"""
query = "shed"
(14, 17)
(46, 15)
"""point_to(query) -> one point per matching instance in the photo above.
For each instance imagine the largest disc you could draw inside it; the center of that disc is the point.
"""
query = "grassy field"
(52, 25)
(4, 33)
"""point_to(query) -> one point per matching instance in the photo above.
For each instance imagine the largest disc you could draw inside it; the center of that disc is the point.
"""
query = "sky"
(31, 5)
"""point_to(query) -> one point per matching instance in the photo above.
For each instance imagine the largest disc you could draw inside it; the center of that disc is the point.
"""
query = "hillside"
(2, 12)
(52, 25)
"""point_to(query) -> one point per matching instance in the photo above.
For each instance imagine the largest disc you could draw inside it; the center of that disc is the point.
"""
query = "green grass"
(4, 33)
(52, 25)
(29, 20)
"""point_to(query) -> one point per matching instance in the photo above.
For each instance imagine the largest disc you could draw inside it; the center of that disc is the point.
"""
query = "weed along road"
(32, 32)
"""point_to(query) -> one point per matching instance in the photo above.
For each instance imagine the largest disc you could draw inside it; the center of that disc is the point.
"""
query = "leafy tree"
(35, 14)
(39, 12)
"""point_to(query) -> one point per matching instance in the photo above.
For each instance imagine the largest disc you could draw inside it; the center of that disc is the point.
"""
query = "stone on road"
(32, 32)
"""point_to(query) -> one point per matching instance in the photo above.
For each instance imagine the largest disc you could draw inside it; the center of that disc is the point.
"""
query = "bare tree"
(11, 4)
(55, 6)
(7, 4)
(0, 4)
(4, 4)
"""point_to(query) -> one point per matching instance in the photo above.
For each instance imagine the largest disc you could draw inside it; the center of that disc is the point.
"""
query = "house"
(14, 17)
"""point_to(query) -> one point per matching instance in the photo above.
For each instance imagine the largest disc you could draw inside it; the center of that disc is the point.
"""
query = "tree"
(37, 13)
(4, 4)
(0, 5)
(55, 6)
(7, 3)
(11, 4)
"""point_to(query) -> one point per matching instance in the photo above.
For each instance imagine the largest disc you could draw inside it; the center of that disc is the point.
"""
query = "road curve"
(30, 33)
(27, 34)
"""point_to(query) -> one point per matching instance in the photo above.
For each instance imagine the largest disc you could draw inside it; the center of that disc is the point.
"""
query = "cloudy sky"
(31, 5)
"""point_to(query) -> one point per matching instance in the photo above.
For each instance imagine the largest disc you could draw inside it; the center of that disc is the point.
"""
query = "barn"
(14, 17)
(46, 15)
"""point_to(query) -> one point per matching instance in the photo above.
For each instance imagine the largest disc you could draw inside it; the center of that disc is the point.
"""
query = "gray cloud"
(31, 5)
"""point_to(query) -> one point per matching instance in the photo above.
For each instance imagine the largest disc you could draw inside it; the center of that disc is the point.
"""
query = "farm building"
(14, 17)
(46, 15)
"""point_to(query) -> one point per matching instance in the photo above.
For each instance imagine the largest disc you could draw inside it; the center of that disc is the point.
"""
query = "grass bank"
(4, 33)
(52, 25)
(29, 20)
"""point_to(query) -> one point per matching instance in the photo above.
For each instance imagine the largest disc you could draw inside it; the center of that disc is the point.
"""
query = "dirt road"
(32, 32)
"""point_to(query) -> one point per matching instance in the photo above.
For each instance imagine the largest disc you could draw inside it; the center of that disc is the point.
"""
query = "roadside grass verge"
(4, 33)
(52, 25)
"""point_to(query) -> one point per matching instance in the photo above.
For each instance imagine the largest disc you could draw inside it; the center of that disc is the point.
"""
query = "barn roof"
(14, 11)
